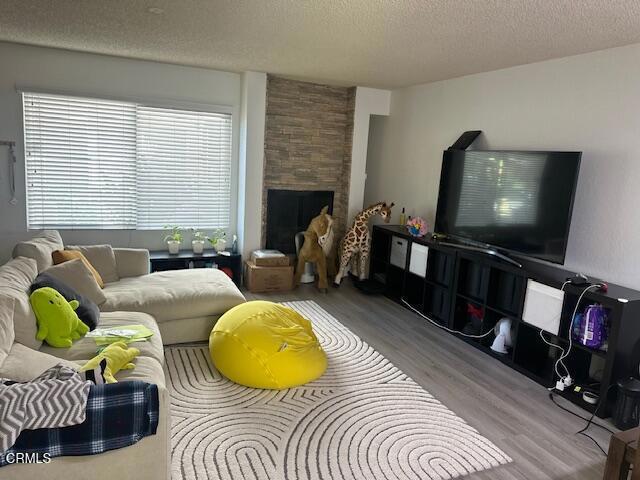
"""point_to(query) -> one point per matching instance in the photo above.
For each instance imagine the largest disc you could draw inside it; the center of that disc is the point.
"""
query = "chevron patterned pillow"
(57, 398)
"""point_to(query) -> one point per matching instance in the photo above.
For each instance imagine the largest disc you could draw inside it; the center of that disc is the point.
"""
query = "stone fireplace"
(308, 140)
(289, 212)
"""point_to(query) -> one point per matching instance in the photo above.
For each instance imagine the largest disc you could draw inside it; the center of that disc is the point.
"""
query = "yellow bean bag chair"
(266, 345)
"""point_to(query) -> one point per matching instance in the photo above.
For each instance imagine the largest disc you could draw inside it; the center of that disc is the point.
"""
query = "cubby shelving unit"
(456, 278)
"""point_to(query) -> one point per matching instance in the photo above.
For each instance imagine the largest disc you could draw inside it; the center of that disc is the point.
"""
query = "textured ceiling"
(379, 43)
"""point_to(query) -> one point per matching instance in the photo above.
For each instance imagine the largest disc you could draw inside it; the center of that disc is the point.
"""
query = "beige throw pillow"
(61, 256)
(78, 276)
(101, 258)
(16, 276)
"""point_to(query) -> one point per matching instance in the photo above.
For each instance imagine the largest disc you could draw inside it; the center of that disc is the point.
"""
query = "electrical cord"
(586, 419)
(555, 367)
(560, 348)
(415, 310)
(560, 361)
(583, 418)
(601, 401)
(589, 420)
(565, 353)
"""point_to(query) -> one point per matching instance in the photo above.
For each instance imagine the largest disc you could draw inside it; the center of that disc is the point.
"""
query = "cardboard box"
(262, 259)
(260, 279)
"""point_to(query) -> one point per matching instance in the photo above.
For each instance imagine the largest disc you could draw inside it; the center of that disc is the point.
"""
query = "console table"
(162, 260)
(455, 279)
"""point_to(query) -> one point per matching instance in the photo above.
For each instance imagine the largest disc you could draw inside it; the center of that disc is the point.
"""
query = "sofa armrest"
(131, 262)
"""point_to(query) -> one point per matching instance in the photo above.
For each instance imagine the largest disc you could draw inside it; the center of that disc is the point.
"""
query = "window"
(101, 164)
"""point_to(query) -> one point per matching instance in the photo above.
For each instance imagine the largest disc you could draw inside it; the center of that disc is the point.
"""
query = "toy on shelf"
(417, 226)
(58, 323)
(356, 242)
(118, 357)
(317, 248)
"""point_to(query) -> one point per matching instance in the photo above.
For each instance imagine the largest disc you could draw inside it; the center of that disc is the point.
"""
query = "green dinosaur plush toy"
(58, 323)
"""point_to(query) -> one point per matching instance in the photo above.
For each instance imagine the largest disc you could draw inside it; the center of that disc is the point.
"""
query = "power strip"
(563, 383)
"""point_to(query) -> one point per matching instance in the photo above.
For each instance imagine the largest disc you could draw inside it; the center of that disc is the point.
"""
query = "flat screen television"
(520, 202)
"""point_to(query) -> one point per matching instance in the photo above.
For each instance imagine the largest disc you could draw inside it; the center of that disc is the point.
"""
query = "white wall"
(589, 103)
(251, 171)
(369, 101)
(95, 75)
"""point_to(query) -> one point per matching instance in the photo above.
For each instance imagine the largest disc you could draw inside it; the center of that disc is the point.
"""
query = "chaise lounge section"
(184, 303)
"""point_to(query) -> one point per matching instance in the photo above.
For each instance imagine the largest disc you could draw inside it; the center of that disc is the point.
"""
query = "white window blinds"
(119, 165)
(184, 168)
(80, 162)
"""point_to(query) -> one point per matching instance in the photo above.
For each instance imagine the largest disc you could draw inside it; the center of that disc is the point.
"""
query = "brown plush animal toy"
(355, 244)
(317, 248)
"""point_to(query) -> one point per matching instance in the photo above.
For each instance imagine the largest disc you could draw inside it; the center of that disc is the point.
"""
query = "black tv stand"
(486, 250)
(458, 276)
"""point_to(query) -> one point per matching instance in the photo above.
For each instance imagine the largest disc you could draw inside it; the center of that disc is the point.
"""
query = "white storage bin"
(543, 306)
(398, 252)
(418, 260)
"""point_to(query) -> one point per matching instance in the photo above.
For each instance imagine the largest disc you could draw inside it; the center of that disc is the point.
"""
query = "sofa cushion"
(87, 310)
(147, 370)
(102, 258)
(77, 275)
(174, 294)
(16, 276)
(132, 262)
(63, 256)
(86, 348)
(7, 334)
(40, 248)
(23, 364)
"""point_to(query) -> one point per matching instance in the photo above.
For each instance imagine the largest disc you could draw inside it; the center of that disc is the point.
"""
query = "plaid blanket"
(118, 415)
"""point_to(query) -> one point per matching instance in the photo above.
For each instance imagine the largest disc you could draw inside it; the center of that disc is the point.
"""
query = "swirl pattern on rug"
(363, 419)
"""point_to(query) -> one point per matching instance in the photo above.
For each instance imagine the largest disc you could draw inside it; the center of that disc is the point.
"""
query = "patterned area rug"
(363, 419)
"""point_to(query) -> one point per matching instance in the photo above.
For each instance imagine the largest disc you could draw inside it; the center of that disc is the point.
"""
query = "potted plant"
(173, 239)
(218, 240)
(197, 241)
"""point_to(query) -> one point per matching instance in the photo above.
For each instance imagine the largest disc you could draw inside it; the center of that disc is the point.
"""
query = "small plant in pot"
(218, 240)
(173, 239)
(197, 241)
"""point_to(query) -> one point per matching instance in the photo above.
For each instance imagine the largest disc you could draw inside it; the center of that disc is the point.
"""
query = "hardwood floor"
(503, 405)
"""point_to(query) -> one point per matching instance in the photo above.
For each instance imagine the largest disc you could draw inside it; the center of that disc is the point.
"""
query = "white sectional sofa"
(178, 306)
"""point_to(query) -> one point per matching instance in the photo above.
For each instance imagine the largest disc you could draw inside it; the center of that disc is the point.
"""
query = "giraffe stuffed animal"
(356, 242)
